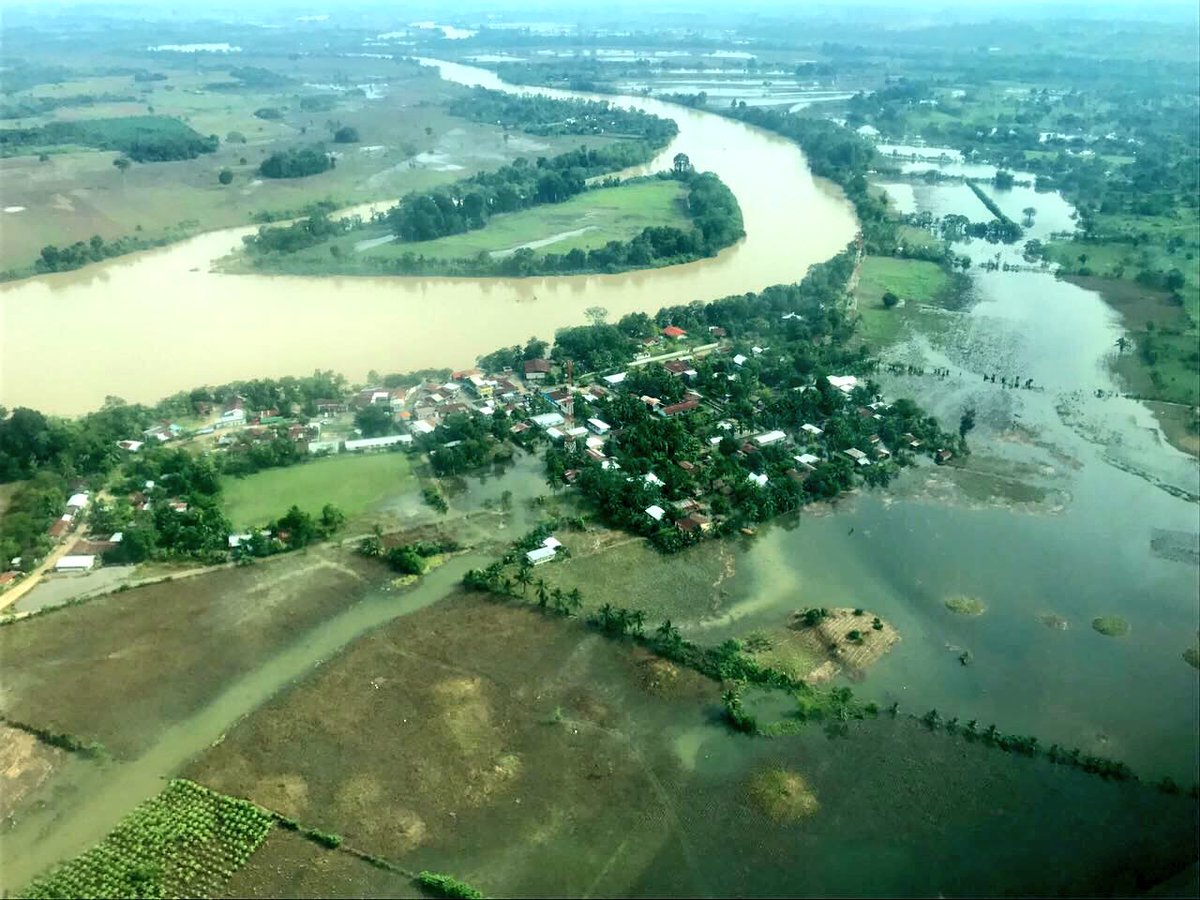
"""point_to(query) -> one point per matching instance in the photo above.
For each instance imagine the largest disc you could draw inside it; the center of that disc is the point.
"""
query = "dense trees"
(346, 135)
(296, 163)
(141, 138)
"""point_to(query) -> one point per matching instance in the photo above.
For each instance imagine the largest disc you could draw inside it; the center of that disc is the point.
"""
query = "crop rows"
(186, 842)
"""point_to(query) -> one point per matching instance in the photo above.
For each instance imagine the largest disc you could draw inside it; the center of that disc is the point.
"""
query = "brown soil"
(822, 652)
(166, 649)
(25, 765)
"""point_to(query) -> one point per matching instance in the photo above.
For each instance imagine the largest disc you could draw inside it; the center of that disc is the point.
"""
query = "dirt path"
(30, 581)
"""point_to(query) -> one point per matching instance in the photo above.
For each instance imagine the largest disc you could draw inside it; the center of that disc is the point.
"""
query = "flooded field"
(532, 757)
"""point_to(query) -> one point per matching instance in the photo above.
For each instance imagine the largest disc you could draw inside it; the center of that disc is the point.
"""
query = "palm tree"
(556, 600)
(524, 579)
(574, 600)
(507, 586)
(637, 622)
(1122, 343)
(541, 592)
(605, 614)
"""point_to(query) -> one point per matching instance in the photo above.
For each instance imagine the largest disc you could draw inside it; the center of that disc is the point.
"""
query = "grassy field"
(356, 484)
(407, 143)
(914, 281)
(608, 214)
(173, 645)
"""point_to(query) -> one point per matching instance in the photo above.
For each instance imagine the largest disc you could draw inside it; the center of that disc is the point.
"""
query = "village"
(714, 470)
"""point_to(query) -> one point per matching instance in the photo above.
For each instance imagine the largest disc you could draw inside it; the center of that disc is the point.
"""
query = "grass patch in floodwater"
(1053, 621)
(173, 646)
(612, 567)
(1111, 626)
(916, 282)
(782, 795)
(356, 484)
(964, 605)
(1191, 656)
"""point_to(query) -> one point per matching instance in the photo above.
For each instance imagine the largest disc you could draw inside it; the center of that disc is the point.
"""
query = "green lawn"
(914, 281)
(353, 483)
(608, 214)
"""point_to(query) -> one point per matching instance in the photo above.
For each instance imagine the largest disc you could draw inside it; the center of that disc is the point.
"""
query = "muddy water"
(1086, 483)
(143, 326)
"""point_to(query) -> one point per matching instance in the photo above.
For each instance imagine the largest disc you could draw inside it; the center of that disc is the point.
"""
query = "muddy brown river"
(143, 326)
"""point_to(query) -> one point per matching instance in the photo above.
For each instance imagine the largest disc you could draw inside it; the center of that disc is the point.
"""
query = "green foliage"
(62, 740)
(346, 135)
(141, 138)
(186, 842)
(296, 163)
(225, 176)
(448, 886)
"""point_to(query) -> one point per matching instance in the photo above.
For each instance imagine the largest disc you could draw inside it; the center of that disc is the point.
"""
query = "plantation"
(186, 842)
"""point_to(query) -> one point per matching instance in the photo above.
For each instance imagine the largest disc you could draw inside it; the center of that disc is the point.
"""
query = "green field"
(588, 220)
(355, 484)
(914, 281)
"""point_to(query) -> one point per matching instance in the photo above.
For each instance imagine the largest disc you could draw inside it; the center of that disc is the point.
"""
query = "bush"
(225, 176)
(448, 886)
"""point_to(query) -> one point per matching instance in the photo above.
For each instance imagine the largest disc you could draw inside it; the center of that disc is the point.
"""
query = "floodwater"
(1108, 482)
(144, 326)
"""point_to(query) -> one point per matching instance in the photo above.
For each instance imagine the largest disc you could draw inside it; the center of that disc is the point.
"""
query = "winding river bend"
(144, 326)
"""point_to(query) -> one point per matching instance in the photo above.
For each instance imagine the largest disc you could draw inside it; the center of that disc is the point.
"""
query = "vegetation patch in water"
(1112, 626)
(1192, 655)
(783, 795)
(1053, 620)
(965, 606)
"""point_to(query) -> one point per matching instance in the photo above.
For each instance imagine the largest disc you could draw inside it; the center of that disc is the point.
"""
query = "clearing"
(355, 483)
(916, 282)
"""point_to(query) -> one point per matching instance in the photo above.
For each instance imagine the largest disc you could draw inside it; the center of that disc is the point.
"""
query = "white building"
(615, 379)
(599, 426)
(540, 555)
(547, 420)
(811, 429)
(760, 480)
(771, 437)
(375, 443)
(77, 501)
(655, 512)
(75, 564)
(844, 383)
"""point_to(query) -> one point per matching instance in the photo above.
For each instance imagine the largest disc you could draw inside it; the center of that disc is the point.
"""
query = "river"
(146, 325)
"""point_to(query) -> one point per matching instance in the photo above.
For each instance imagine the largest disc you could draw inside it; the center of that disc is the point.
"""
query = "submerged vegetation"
(1111, 626)
(784, 796)
(965, 606)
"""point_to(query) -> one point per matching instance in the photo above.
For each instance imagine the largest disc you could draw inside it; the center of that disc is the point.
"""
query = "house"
(909, 438)
(7, 578)
(577, 432)
(552, 542)
(760, 480)
(694, 523)
(554, 434)
(75, 564)
(130, 446)
(656, 512)
(858, 456)
(599, 427)
(685, 465)
(883, 452)
(717, 331)
(465, 374)
(397, 397)
(614, 380)
(547, 420)
(680, 367)
(519, 428)
(540, 555)
(376, 443)
(676, 408)
(740, 360)
(421, 427)
(651, 478)
(330, 407)
(231, 417)
(771, 437)
(483, 388)
(536, 369)
(844, 383)
(811, 429)
(943, 456)
(77, 502)
(808, 460)
(595, 454)
(563, 400)
(236, 540)
(324, 446)
(674, 332)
